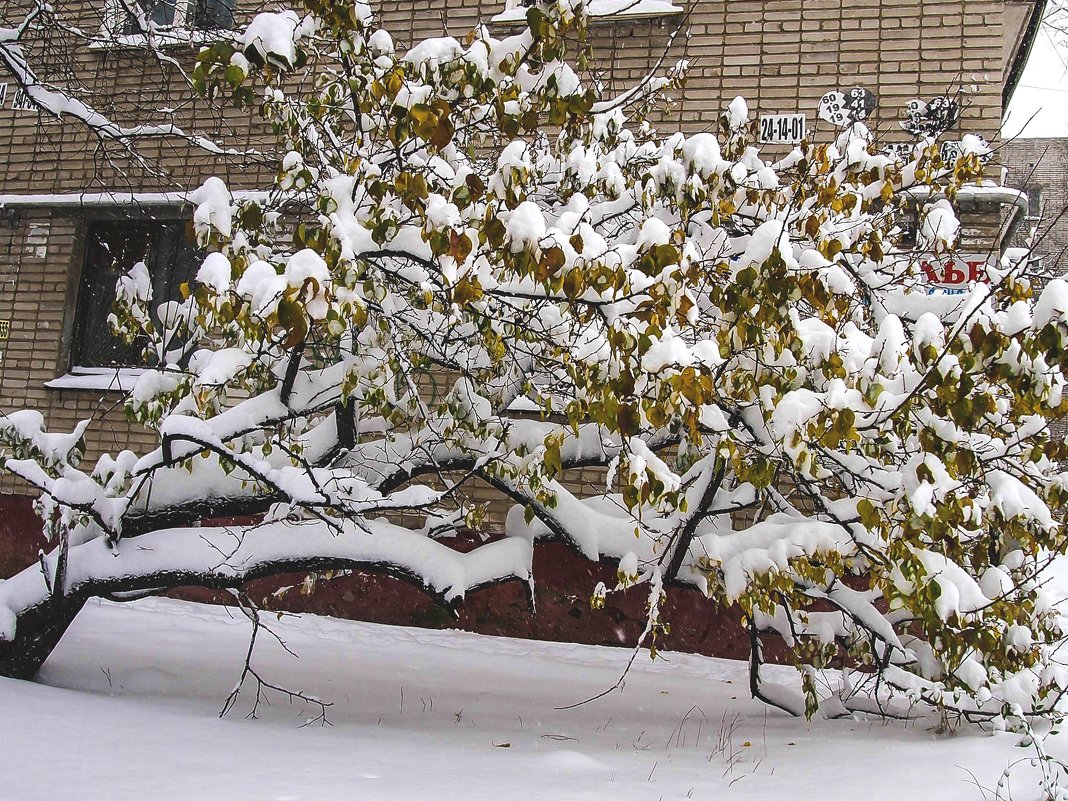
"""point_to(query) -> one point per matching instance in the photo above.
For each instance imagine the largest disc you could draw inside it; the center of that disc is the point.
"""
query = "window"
(158, 14)
(167, 17)
(112, 247)
(1034, 203)
(907, 220)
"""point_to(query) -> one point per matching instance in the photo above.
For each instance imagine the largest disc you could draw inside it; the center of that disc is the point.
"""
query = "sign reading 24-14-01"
(782, 129)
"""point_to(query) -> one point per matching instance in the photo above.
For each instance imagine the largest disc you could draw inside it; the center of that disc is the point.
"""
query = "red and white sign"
(956, 271)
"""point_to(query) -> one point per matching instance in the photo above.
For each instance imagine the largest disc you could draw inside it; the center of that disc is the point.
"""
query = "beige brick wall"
(39, 265)
(781, 55)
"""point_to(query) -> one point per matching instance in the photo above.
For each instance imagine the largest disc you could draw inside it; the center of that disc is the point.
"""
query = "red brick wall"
(564, 582)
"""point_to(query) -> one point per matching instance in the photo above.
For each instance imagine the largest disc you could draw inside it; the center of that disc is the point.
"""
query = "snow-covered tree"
(785, 416)
(42, 59)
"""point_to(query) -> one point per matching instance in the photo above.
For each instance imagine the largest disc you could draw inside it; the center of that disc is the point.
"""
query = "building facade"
(1039, 168)
(74, 209)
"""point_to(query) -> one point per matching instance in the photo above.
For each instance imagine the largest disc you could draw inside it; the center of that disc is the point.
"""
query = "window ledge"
(603, 12)
(100, 379)
(169, 37)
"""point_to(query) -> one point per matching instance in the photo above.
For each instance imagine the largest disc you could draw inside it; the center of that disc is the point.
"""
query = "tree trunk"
(38, 633)
(39, 628)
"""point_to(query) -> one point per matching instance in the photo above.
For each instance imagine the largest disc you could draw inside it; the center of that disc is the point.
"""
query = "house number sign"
(782, 129)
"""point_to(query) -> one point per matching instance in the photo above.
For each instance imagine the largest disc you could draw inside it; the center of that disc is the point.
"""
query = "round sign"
(842, 109)
(833, 109)
(930, 119)
(861, 103)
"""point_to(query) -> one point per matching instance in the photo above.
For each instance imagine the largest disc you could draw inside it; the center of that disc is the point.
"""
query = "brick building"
(66, 199)
(1039, 167)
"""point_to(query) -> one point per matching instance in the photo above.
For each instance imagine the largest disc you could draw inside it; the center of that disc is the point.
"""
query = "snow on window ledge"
(100, 379)
(603, 11)
(165, 37)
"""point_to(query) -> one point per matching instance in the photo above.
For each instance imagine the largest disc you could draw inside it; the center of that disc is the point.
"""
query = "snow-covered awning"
(79, 199)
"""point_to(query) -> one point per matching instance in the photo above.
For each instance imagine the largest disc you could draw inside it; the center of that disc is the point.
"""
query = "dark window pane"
(160, 13)
(112, 248)
(129, 25)
(175, 261)
(209, 15)
(213, 15)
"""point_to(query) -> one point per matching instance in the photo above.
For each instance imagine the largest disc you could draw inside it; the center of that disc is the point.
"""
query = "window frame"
(1035, 202)
(183, 31)
(175, 218)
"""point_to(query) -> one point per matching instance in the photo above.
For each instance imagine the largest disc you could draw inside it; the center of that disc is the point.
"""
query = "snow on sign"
(901, 150)
(782, 129)
(954, 272)
(930, 119)
(952, 151)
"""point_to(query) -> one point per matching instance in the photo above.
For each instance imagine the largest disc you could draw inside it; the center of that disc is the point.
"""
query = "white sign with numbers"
(950, 152)
(19, 100)
(843, 109)
(782, 129)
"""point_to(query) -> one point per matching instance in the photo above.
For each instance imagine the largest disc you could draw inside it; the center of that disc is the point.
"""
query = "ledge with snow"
(606, 10)
(105, 379)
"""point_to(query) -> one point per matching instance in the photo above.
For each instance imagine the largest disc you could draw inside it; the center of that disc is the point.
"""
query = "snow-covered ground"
(127, 708)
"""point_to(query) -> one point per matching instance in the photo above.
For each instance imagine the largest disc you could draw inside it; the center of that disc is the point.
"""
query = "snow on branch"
(711, 365)
(229, 556)
(62, 103)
